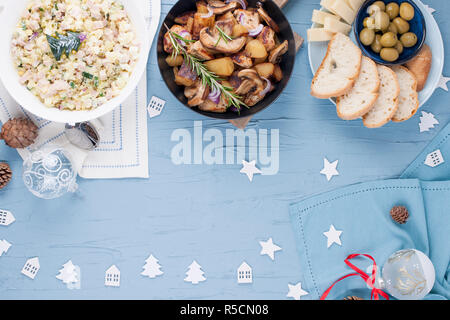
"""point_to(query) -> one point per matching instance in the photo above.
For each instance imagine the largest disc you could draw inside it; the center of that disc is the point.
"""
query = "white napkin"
(123, 149)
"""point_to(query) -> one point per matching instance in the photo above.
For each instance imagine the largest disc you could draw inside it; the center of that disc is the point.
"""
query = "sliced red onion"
(255, 32)
(82, 37)
(186, 72)
(214, 96)
(34, 35)
(241, 2)
(183, 34)
(234, 109)
(209, 14)
(267, 88)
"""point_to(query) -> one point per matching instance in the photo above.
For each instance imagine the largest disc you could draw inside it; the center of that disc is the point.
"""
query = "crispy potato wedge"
(183, 19)
(223, 67)
(202, 7)
(181, 80)
(277, 73)
(239, 30)
(265, 70)
(174, 61)
(242, 60)
(255, 49)
(201, 23)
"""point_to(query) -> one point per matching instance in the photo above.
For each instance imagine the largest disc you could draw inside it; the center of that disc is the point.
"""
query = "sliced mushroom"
(234, 80)
(198, 50)
(183, 19)
(210, 106)
(242, 60)
(220, 7)
(263, 14)
(267, 37)
(180, 30)
(251, 88)
(247, 18)
(211, 39)
(275, 54)
(196, 94)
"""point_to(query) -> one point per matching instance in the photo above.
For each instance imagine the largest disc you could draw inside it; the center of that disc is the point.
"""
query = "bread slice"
(363, 95)
(387, 103)
(408, 100)
(339, 69)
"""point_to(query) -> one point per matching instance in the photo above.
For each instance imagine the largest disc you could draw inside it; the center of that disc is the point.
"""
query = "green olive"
(380, 4)
(382, 21)
(367, 36)
(399, 47)
(389, 40)
(392, 9)
(406, 11)
(402, 25)
(408, 40)
(392, 28)
(376, 45)
(389, 54)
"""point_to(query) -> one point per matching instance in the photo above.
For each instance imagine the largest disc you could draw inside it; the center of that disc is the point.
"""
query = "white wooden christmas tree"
(152, 268)
(31, 267)
(68, 274)
(4, 247)
(6, 218)
(195, 273)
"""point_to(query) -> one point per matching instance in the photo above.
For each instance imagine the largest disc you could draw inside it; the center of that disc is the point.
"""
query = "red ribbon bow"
(375, 294)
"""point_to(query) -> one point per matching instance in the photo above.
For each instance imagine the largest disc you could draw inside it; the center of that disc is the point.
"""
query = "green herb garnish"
(64, 44)
(207, 77)
(222, 36)
(96, 82)
(87, 75)
(72, 84)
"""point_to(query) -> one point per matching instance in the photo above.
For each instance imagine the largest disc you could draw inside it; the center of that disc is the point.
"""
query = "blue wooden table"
(210, 213)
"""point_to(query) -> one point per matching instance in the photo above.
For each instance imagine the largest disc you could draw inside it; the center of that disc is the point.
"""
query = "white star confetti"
(250, 169)
(269, 248)
(329, 169)
(333, 236)
(443, 83)
(429, 9)
(296, 291)
(427, 121)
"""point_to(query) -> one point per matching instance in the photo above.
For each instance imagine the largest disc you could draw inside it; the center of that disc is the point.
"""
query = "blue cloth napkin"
(362, 212)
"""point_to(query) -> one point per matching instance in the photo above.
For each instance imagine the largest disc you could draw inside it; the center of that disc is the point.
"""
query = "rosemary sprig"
(207, 77)
(222, 36)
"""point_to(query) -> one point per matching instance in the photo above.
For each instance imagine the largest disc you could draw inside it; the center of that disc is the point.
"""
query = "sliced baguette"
(339, 69)
(408, 100)
(387, 103)
(363, 95)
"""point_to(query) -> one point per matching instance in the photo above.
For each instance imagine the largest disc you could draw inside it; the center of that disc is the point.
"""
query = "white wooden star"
(429, 9)
(333, 236)
(296, 291)
(269, 248)
(329, 169)
(443, 83)
(250, 169)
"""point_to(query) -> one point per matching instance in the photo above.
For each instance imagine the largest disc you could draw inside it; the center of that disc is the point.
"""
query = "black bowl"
(287, 63)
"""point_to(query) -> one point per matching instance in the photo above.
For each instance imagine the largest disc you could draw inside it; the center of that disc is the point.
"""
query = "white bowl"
(9, 17)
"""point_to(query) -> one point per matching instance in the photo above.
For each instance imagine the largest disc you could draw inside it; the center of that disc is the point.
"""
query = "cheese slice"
(319, 16)
(328, 4)
(355, 4)
(319, 34)
(332, 25)
(341, 8)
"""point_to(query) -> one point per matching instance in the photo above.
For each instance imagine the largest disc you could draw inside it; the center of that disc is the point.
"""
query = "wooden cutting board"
(242, 123)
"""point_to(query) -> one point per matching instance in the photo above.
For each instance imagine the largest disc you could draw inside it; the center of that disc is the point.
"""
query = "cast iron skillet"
(287, 63)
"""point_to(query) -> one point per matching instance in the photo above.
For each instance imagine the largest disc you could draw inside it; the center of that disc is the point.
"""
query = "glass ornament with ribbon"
(407, 275)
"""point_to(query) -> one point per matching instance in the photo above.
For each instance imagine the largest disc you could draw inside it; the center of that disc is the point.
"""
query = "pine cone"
(353, 298)
(5, 174)
(19, 133)
(400, 214)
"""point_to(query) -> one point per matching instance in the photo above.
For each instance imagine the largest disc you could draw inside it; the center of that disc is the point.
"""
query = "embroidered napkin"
(123, 149)
(361, 212)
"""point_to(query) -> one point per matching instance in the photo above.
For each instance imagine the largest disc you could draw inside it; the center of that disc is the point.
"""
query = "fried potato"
(223, 67)
(277, 73)
(255, 49)
(265, 70)
(174, 61)
(201, 23)
(239, 30)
